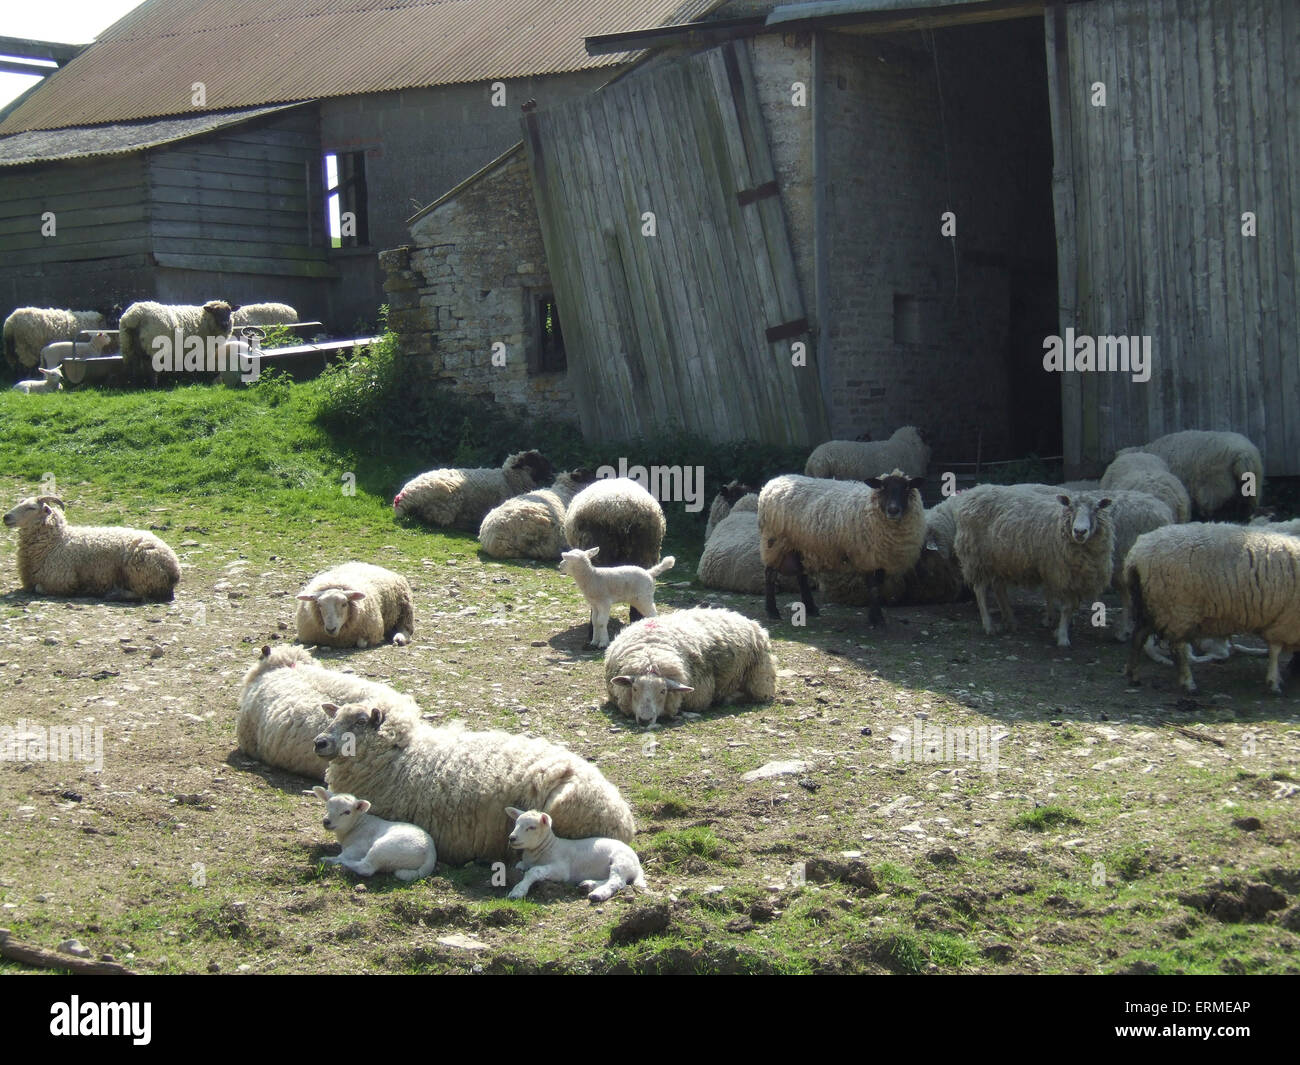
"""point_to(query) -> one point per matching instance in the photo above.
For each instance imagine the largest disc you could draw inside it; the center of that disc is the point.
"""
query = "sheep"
(688, 661)
(55, 558)
(1208, 579)
(50, 381)
(144, 324)
(1213, 467)
(53, 354)
(280, 712)
(461, 498)
(1290, 528)
(808, 523)
(604, 587)
(1140, 472)
(731, 559)
(263, 314)
(723, 503)
(29, 329)
(372, 845)
(601, 867)
(1017, 535)
(620, 517)
(532, 525)
(356, 604)
(849, 460)
(456, 784)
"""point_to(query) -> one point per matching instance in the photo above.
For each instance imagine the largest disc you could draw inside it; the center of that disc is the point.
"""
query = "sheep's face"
(218, 313)
(734, 491)
(343, 813)
(335, 607)
(1081, 516)
(532, 829)
(577, 560)
(646, 696)
(32, 512)
(348, 729)
(894, 493)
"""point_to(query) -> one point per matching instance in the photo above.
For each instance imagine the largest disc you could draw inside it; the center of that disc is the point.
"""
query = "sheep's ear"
(321, 793)
(513, 814)
(376, 716)
(1064, 500)
(874, 483)
(330, 709)
(1103, 503)
(546, 820)
(307, 597)
(592, 552)
(677, 686)
(622, 681)
(354, 596)
(361, 805)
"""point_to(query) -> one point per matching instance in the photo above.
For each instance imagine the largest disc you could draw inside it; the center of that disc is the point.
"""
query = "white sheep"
(604, 587)
(620, 517)
(723, 503)
(145, 323)
(461, 498)
(53, 354)
(731, 559)
(1141, 472)
(1015, 535)
(688, 661)
(600, 867)
(28, 329)
(50, 381)
(854, 460)
(280, 712)
(456, 784)
(356, 605)
(372, 845)
(1291, 528)
(1214, 468)
(808, 524)
(532, 525)
(55, 558)
(263, 314)
(1209, 579)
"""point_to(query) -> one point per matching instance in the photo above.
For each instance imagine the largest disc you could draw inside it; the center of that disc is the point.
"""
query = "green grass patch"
(1044, 818)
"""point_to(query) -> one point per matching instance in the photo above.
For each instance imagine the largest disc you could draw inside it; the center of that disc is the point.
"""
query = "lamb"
(28, 329)
(1213, 468)
(850, 460)
(280, 712)
(1140, 472)
(356, 605)
(55, 558)
(456, 784)
(532, 525)
(723, 503)
(461, 498)
(620, 517)
(601, 867)
(144, 324)
(808, 523)
(688, 661)
(1017, 535)
(604, 587)
(50, 381)
(372, 845)
(1207, 579)
(53, 354)
(263, 314)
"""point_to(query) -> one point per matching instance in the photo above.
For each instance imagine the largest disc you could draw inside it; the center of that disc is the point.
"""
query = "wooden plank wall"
(672, 329)
(1200, 125)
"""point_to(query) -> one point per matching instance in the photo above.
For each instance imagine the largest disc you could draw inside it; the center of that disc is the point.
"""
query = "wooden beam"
(15, 66)
(26, 48)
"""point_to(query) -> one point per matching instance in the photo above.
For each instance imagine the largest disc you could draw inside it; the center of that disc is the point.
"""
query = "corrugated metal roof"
(118, 138)
(252, 52)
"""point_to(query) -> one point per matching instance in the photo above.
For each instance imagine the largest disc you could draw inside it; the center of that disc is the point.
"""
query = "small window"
(345, 199)
(550, 340)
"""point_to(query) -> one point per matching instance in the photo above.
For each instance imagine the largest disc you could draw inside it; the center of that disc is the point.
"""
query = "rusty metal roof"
(254, 52)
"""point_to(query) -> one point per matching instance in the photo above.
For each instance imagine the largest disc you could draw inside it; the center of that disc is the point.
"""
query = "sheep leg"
(536, 873)
(1182, 651)
(769, 591)
(363, 867)
(600, 625)
(805, 592)
(982, 601)
(1063, 627)
(876, 590)
(1004, 605)
(1142, 631)
(598, 892)
(1274, 678)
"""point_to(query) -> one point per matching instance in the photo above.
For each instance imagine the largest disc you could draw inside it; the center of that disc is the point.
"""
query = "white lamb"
(28, 329)
(461, 498)
(854, 460)
(600, 867)
(1216, 468)
(372, 845)
(532, 525)
(1140, 472)
(356, 605)
(604, 587)
(620, 517)
(50, 381)
(53, 354)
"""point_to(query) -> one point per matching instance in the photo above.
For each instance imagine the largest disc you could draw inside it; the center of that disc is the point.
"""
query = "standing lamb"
(810, 524)
(852, 460)
(532, 525)
(144, 324)
(461, 498)
(1213, 467)
(604, 587)
(1189, 581)
(356, 605)
(1015, 535)
(689, 661)
(280, 712)
(372, 845)
(29, 329)
(620, 517)
(456, 784)
(53, 354)
(55, 558)
(601, 867)
(1139, 472)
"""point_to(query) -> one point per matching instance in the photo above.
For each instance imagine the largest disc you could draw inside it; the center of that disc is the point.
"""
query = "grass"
(1043, 818)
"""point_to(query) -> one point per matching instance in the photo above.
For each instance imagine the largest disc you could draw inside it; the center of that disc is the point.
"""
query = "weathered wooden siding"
(1200, 126)
(674, 328)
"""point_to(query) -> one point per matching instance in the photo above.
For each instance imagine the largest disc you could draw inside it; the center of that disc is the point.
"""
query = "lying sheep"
(532, 525)
(356, 605)
(723, 503)
(456, 784)
(52, 355)
(144, 324)
(604, 587)
(810, 524)
(1140, 472)
(29, 329)
(280, 712)
(263, 314)
(621, 518)
(1213, 468)
(372, 845)
(55, 558)
(688, 661)
(461, 498)
(1194, 580)
(600, 867)
(1015, 535)
(732, 560)
(850, 460)
(50, 381)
